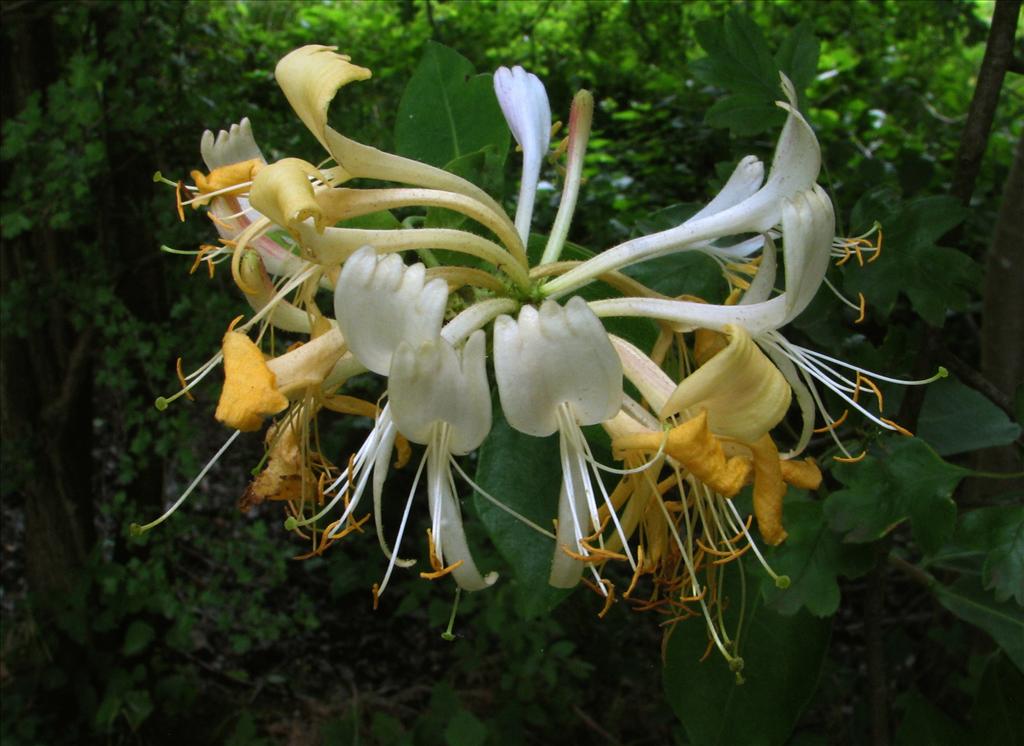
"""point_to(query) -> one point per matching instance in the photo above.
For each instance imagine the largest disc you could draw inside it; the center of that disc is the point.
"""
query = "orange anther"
(234, 321)
(835, 423)
(863, 308)
(850, 459)
(177, 199)
(181, 380)
(897, 427)
(878, 246)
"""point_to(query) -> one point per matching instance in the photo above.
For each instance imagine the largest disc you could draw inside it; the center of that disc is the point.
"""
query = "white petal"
(808, 224)
(380, 303)
(524, 102)
(449, 535)
(554, 356)
(233, 146)
(745, 180)
(436, 383)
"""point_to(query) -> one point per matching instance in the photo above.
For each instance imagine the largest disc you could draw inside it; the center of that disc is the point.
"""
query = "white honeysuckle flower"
(380, 302)
(524, 102)
(439, 398)
(794, 169)
(551, 358)
(557, 371)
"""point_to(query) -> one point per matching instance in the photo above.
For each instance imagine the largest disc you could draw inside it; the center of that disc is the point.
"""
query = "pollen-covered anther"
(897, 427)
(834, 423)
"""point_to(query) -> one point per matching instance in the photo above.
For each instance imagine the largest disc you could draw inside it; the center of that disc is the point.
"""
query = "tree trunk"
(46, 369)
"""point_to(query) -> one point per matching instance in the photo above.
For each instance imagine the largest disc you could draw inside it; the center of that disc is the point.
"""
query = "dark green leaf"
(447, 111)
(137, 638)
(745, 114)
(525, 473)
(900, 479)
(932, 277)
(1004, 622)
(923, 723)
(998, 713)
(465, 729)
(739, 59)
(997, 535)
(798, 55)
(813, 557)
(780, 653)
(956, 419)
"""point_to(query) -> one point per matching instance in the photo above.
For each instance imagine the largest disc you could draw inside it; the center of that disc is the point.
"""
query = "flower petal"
(553, 356)
(283, 192)
(744, 394)
(437, 383)
(524, 102)
(250, 388)
(380, 303)
(310, 77)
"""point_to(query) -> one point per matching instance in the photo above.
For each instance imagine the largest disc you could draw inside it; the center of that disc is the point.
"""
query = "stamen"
(897, 427)
(177, 200)
(448, 634)
(137, 530)
(442, 572)
(863, 308)
(499, 504)
(181, 379)
(833, 424)
(865, 383)
(851, 459)
(609, 597)
(878, 245)
(637, 572)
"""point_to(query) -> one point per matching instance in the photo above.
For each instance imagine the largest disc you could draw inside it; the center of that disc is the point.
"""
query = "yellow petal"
(310, 77)
(804, 475)
(228, 176)
(308, 364)
(282, 191)
(744, 394)
(693, 446)
(769, 489)
(250, 391)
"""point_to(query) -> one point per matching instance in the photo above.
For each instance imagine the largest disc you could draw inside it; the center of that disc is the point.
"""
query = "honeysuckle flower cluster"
(687, 442)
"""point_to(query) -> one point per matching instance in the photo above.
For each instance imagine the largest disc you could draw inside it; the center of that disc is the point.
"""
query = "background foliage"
(903, 624)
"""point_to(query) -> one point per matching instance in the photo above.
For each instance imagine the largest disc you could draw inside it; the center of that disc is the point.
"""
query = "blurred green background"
(206, 631)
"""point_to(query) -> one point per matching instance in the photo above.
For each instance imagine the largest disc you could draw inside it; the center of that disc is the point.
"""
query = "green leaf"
(738, 57)
(900, 479)
(447, 111)
(932, 277)
(923, 722)
(956, 419)
(798, 55)
(997, 534)
(780, 653)
(997, 716)
(740, 61)
(1003, 621)
(525, 473)
(465, 729)
(137, 638)
(813, 557)
(745, 114)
